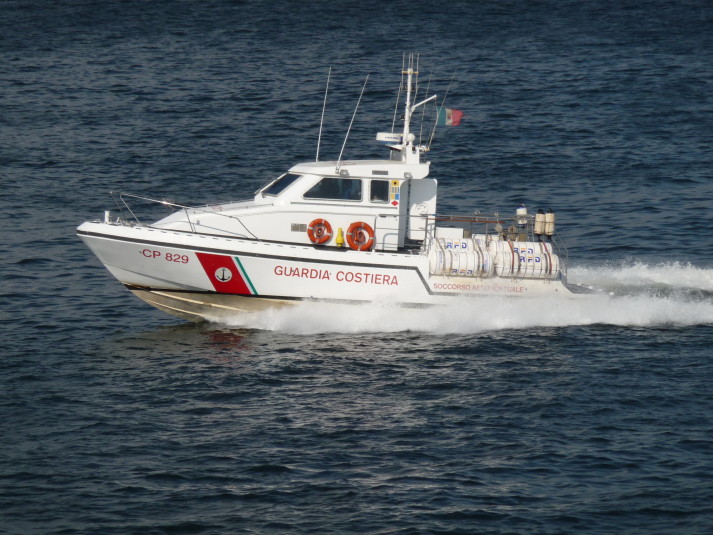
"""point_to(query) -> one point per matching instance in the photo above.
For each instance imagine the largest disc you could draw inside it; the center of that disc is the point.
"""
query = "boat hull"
(198, 276)
(194, 306)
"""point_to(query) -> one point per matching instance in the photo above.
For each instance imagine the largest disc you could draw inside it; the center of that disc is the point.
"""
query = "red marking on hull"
(224, 274)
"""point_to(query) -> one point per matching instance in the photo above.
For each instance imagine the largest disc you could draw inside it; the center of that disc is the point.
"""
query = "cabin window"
(342, 189)
(379, 191)
(279, 185)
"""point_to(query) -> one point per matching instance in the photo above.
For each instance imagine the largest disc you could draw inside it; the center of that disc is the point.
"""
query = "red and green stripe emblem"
(227, 274)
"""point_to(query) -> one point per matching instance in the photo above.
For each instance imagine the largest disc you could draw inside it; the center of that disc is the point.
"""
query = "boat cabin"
(366, 205)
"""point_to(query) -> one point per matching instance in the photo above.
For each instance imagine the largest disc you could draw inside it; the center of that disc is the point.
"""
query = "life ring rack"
(360, 236)
(319, 231)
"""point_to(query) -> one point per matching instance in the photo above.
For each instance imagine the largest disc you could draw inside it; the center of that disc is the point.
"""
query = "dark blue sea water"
(499, 417)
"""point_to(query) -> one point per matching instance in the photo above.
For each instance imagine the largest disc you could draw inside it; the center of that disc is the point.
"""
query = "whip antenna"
(423, 112)
(398, 94)
(352, 122)
(438, 109)
(324, 106)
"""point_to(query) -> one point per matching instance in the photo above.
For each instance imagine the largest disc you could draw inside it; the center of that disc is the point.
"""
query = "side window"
(379, 191)
(344, 189)
(279, 185)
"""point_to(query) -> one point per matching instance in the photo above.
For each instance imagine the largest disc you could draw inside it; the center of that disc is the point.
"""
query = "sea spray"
(642, 276)
(470, 316)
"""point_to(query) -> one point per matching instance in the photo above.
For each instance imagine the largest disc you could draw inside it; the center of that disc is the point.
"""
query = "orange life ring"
(319, 231)
(360, 236)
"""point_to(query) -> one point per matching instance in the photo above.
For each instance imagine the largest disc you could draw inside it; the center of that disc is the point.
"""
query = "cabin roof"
(364, 169)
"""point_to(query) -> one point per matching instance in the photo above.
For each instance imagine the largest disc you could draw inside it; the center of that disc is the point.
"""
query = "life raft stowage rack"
(480, 257)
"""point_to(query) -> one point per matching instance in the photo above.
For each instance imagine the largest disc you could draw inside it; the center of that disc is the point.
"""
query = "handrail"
(164, 202)
(196, 210)
(509, 228)
(513, 228)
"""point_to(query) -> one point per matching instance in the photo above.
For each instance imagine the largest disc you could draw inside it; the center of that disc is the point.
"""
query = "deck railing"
(517, 228)
(514, 228)
(124, 207)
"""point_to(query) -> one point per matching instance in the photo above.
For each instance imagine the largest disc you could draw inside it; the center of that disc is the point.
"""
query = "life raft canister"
(319, 231)
(360, 236)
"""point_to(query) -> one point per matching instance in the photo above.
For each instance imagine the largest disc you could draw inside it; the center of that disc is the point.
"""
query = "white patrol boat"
(345, 231)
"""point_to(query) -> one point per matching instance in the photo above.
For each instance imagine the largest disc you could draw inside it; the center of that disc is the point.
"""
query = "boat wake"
(673, 278)
(637, 295)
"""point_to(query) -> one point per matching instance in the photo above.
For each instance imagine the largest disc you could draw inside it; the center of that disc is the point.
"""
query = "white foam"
(643, 307)
(639, 274)
(479, 315)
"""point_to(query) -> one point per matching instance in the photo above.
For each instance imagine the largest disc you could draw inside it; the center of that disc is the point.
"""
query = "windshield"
(346, 189)
(280, 184)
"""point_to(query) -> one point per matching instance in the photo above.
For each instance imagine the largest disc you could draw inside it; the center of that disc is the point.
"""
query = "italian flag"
(449, 117)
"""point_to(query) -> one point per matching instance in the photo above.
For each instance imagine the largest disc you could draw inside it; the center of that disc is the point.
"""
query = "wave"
(635, 294)
(637, 277)
(480, 315)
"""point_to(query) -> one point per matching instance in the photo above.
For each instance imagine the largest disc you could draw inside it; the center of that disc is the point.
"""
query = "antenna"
(409, 72)
(423, 112)
(416, 72)
(352, 122)
(398, 94)
(324, 106)
(438, 109)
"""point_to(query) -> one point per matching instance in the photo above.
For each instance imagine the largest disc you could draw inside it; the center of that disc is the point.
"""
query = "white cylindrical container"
(540, 222)
(550, 223)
